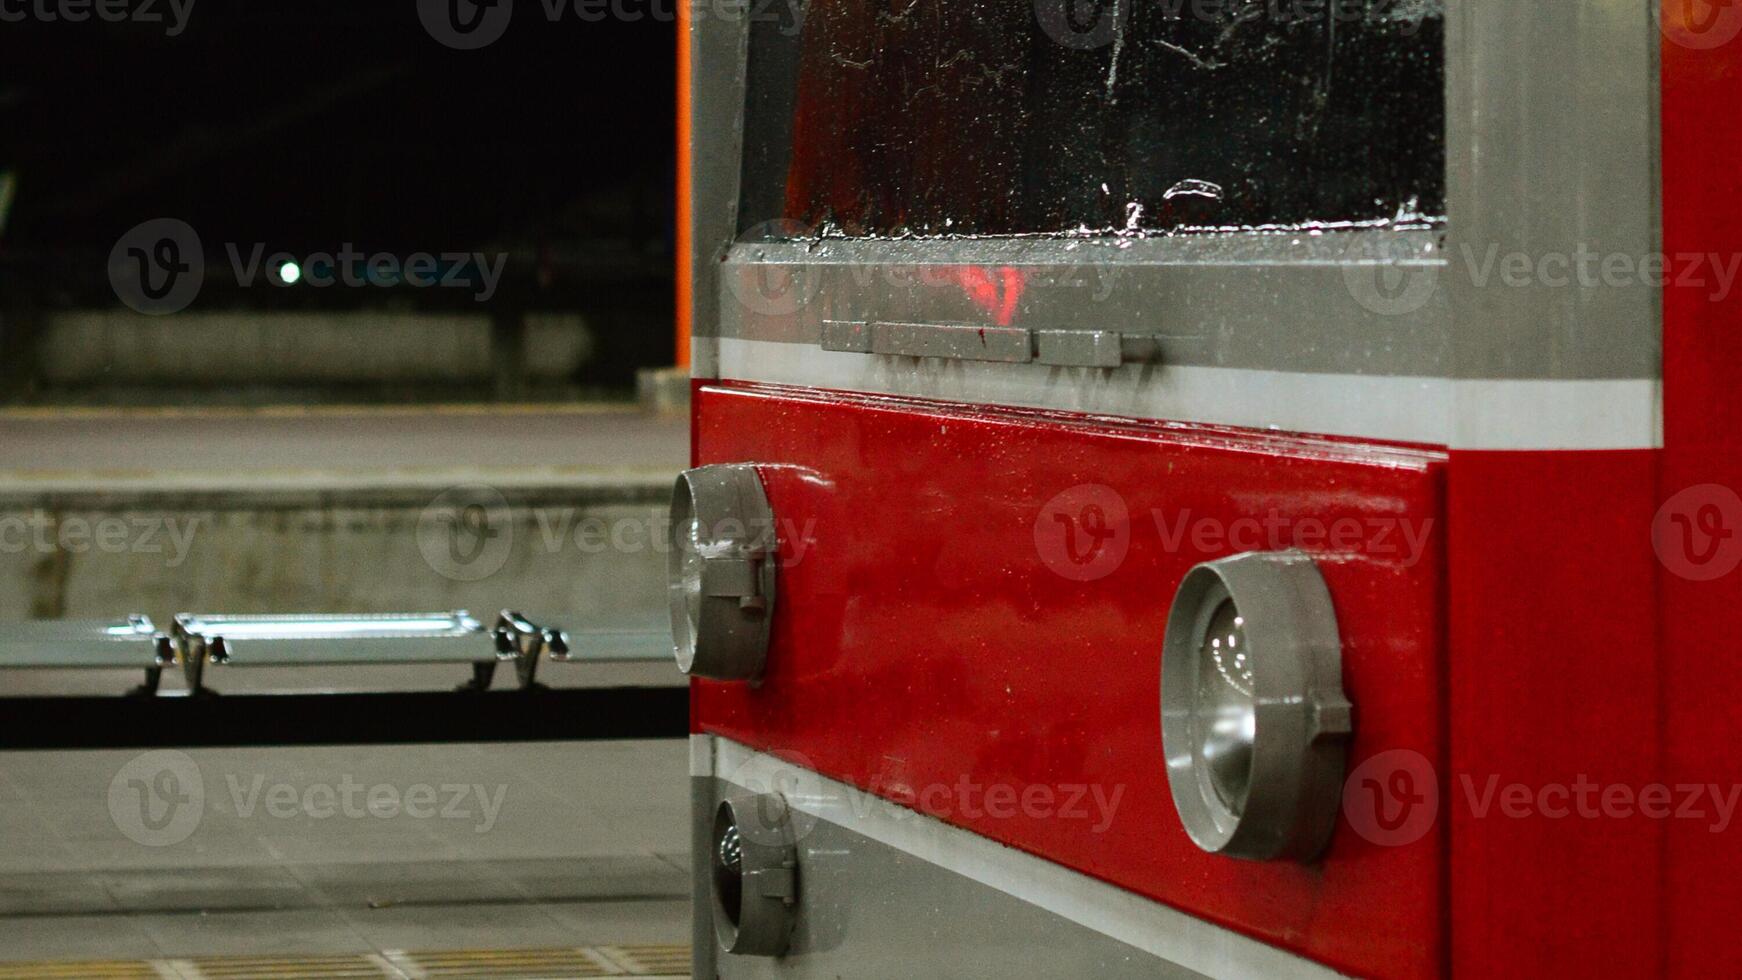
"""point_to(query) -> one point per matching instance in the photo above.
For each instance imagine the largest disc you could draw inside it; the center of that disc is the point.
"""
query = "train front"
(1129, 470)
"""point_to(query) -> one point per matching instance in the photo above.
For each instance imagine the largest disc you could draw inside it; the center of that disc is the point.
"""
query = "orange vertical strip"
(685, 236)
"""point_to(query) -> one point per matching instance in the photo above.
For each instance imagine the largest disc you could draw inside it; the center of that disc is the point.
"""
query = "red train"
(1213, 488)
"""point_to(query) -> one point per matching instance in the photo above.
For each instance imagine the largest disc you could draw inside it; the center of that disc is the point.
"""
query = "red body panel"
(1553, 679)
(1702, 366)
(935, 624)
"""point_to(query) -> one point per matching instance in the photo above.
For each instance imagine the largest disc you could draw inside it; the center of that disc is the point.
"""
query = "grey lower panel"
(870, 911)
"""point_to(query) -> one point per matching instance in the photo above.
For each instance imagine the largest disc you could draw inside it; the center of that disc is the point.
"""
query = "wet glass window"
(995, 117)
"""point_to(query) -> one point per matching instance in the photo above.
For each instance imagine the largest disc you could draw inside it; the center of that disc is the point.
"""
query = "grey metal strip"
(1403, 409)
(1518, 414)
(291, 640)
(1014, 345)
(617, 646)
(1552, 154)
(846, 336)
(1008, 344)
(719, 46)
(1266, 302)
(82, 643)
(1080, 348)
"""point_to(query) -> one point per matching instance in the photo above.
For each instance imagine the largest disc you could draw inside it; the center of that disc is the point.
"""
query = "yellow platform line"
(647, 962)
(39, 413)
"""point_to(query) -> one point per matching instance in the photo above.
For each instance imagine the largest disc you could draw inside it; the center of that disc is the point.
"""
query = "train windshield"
(1061, 117)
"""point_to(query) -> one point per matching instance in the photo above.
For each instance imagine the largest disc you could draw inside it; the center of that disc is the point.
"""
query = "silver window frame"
(1552, 149)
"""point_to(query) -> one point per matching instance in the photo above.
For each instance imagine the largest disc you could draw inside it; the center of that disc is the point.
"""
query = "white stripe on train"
(1538, 415)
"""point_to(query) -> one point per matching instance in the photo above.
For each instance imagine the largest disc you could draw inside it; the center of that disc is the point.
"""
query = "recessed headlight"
(721, 572)
(1254, 723)
(754, 875)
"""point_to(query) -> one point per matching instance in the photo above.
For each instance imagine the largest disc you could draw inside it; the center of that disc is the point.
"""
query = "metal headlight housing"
(721, 572)
(753, 874)
(1253, 718)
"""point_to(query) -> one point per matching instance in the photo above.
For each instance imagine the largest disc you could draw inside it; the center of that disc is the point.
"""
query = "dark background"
(307, 124)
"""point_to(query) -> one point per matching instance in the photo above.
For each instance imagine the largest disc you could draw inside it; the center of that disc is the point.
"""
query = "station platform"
(582, 869)
(651, 962)
(554, 511)
(559, 847)
(163, 446)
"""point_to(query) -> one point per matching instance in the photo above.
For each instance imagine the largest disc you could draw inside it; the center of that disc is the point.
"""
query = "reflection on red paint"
(982, 603)
(996, 295)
